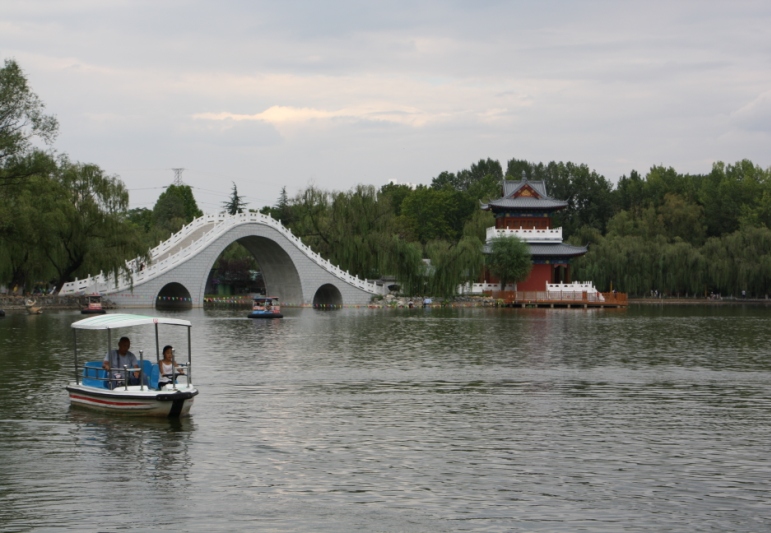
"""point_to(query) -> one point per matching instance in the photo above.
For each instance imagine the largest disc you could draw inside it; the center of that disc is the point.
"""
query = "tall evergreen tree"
(236, 203)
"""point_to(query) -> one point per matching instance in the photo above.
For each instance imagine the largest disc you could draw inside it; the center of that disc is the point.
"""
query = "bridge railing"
(222, 223)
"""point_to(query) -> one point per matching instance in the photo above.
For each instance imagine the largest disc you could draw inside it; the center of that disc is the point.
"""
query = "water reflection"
(401, 420)
(155, 448)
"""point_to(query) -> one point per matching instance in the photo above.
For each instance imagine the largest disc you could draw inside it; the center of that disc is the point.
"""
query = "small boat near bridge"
(266, 307)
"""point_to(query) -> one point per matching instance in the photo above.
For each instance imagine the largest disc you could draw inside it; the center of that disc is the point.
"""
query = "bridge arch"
(327, 296)
(173, 295)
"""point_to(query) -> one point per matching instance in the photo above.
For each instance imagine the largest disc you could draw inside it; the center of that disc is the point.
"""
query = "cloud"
(287, 115)
(345, 92)
(756, 115)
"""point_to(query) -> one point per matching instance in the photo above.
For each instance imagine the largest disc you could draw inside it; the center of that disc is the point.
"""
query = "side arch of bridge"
(180, 266)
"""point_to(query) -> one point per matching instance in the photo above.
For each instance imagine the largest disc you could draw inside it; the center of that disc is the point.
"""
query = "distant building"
(525, 210)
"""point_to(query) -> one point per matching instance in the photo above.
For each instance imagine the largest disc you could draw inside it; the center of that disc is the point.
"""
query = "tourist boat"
(266, 307)
(93, 305)
(33, 308)
(92, 386)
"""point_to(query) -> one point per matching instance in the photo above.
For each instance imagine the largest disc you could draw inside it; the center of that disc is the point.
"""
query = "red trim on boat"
(96, 400)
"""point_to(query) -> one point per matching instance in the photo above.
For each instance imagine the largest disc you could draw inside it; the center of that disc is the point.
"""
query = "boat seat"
(94, 375)
(154, 375)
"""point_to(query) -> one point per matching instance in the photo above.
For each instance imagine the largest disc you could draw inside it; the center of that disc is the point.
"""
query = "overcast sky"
(337, 93)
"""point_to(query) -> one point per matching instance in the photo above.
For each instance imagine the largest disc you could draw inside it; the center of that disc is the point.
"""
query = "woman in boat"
(166, 367)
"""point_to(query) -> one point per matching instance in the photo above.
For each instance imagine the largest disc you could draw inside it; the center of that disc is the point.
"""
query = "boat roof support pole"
(157, 345)
(189, 360)
(75, 337)
(141, 370)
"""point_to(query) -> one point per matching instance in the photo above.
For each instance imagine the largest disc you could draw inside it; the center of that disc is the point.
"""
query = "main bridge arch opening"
(275, 274)
(235, 273)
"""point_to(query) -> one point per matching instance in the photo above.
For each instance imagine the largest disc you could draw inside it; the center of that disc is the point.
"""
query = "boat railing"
(95, 375)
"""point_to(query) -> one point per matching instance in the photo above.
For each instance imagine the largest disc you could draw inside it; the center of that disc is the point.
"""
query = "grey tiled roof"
(551, 250)
(510, 187)
(525, 202)
(561, 250)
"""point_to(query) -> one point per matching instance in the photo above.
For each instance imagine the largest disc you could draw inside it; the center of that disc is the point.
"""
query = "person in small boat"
(119, 358)
(166, 366)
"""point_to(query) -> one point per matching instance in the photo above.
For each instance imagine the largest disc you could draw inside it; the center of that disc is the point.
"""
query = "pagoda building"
(525, 210)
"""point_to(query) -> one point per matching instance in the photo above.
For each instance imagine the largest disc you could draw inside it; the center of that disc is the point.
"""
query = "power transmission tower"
(178, 176)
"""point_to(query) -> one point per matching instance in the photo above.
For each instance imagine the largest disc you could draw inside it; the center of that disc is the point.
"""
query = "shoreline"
(17, 303)
(698, 301)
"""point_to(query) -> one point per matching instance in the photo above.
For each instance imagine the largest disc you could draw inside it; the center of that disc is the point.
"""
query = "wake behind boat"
(97, 389)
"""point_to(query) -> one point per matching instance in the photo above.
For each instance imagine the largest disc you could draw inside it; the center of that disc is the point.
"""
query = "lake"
(655, 418)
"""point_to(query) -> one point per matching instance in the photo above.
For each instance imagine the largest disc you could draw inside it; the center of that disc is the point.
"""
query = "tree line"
(665, 231)
(686, 234)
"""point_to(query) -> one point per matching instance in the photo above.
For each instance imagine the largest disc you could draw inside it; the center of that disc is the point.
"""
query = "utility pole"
(178, 176)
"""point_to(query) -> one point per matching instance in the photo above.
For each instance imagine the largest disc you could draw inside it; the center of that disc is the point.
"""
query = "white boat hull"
(133, 400)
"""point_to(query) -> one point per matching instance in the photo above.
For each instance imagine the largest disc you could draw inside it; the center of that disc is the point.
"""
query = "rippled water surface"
(650, 419)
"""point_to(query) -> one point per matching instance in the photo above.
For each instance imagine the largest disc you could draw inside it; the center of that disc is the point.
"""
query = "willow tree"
(82, 223)
(22, 258)
(453, 264)
(403, 260)
(509, 259)
(352, 229)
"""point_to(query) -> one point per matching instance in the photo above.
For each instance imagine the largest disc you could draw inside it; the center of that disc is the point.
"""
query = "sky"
(337, 93)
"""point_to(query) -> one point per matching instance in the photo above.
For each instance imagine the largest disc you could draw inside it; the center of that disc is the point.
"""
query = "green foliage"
(480, 182)
(175, 207)
(21, 120)
(395, 194)
(589, 195)
(477, 225)
(731, 193)
(352, 229)
(453, 265)
(87, 232)
(509, 260)
(404, 260)
(68, 224)
(436, 214)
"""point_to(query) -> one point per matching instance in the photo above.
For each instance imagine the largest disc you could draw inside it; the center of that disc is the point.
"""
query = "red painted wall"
(539, 277)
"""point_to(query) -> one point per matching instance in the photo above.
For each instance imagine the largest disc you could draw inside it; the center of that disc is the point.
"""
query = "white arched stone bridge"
(179, 267)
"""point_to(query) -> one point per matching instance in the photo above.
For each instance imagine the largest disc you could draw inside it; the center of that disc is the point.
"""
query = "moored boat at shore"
(108, 391)
(93, 305)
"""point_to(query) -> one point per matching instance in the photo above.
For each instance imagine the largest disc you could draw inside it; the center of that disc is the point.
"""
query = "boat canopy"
(124, 321)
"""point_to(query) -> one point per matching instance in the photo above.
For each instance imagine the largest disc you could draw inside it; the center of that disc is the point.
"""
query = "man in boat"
(118, 359)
